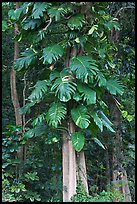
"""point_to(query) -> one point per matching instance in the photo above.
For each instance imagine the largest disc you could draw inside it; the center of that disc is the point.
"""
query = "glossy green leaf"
(56, 113)
(97, 120)
(30, 23)
(28, 57)
(80, 116)
(114, 87)
(52, 53)
(78, 141)
(63, 86)
(76, 22)
(101, 79)
(40, 88)
(88, 94)
(39, 8)
(84, 68)
(56, 12)
(106, 122)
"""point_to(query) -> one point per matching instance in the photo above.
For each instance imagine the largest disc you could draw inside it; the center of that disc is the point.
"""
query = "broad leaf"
(39, 119)
(114, 87)
(52, 53)
(40, 89)
(55, 114)
(14, 14)
(84, 68)
(78, 141)
(87, 93)
(98, 142)
(23, 110)
(80, 116)
(36, 131)
(39, 9)
(76, 22)
(54, 75)
(26, 59)
(63, 86)
(97, 120)
(77, 96)
(106, 122)
(101, 79)
(56, 12)
(30, 23)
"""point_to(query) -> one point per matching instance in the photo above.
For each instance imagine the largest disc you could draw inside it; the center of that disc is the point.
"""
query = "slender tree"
(14, 96)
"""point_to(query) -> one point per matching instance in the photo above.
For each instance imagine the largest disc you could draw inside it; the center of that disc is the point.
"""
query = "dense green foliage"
(106, 66)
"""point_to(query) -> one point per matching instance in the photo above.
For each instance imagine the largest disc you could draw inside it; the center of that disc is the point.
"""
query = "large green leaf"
(56, 113)
(27, 58)
(106, 122)
(56, 12)
(114, 87)
(63, 86)
(78, 141)
(80, 116)
(52, 53)
(88, 94)
(30, 23)
(26, 109)
(14, 14)
(101, 79)
(36, 131)
(76, 22)
(39, 119)
(84, 68)
(39, 8)
(97, 120)
(40, 89)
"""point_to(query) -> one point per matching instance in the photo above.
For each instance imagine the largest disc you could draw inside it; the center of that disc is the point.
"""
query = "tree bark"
(65, 164)
(81, 168)
(14, 96)
(119, 175)
(72, 164)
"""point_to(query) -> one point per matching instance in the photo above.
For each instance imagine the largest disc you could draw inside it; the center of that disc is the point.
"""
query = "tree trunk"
(72, 164)
(14, 96)
(69, 154)
(65, 164)
(81, 166)
(119, 175)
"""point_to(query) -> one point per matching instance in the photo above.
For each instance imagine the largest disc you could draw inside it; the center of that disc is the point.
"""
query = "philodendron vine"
(53, 29)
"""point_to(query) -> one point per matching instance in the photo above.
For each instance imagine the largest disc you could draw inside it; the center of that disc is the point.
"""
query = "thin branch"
(128, 7)
(44, 29)
(24, 90)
